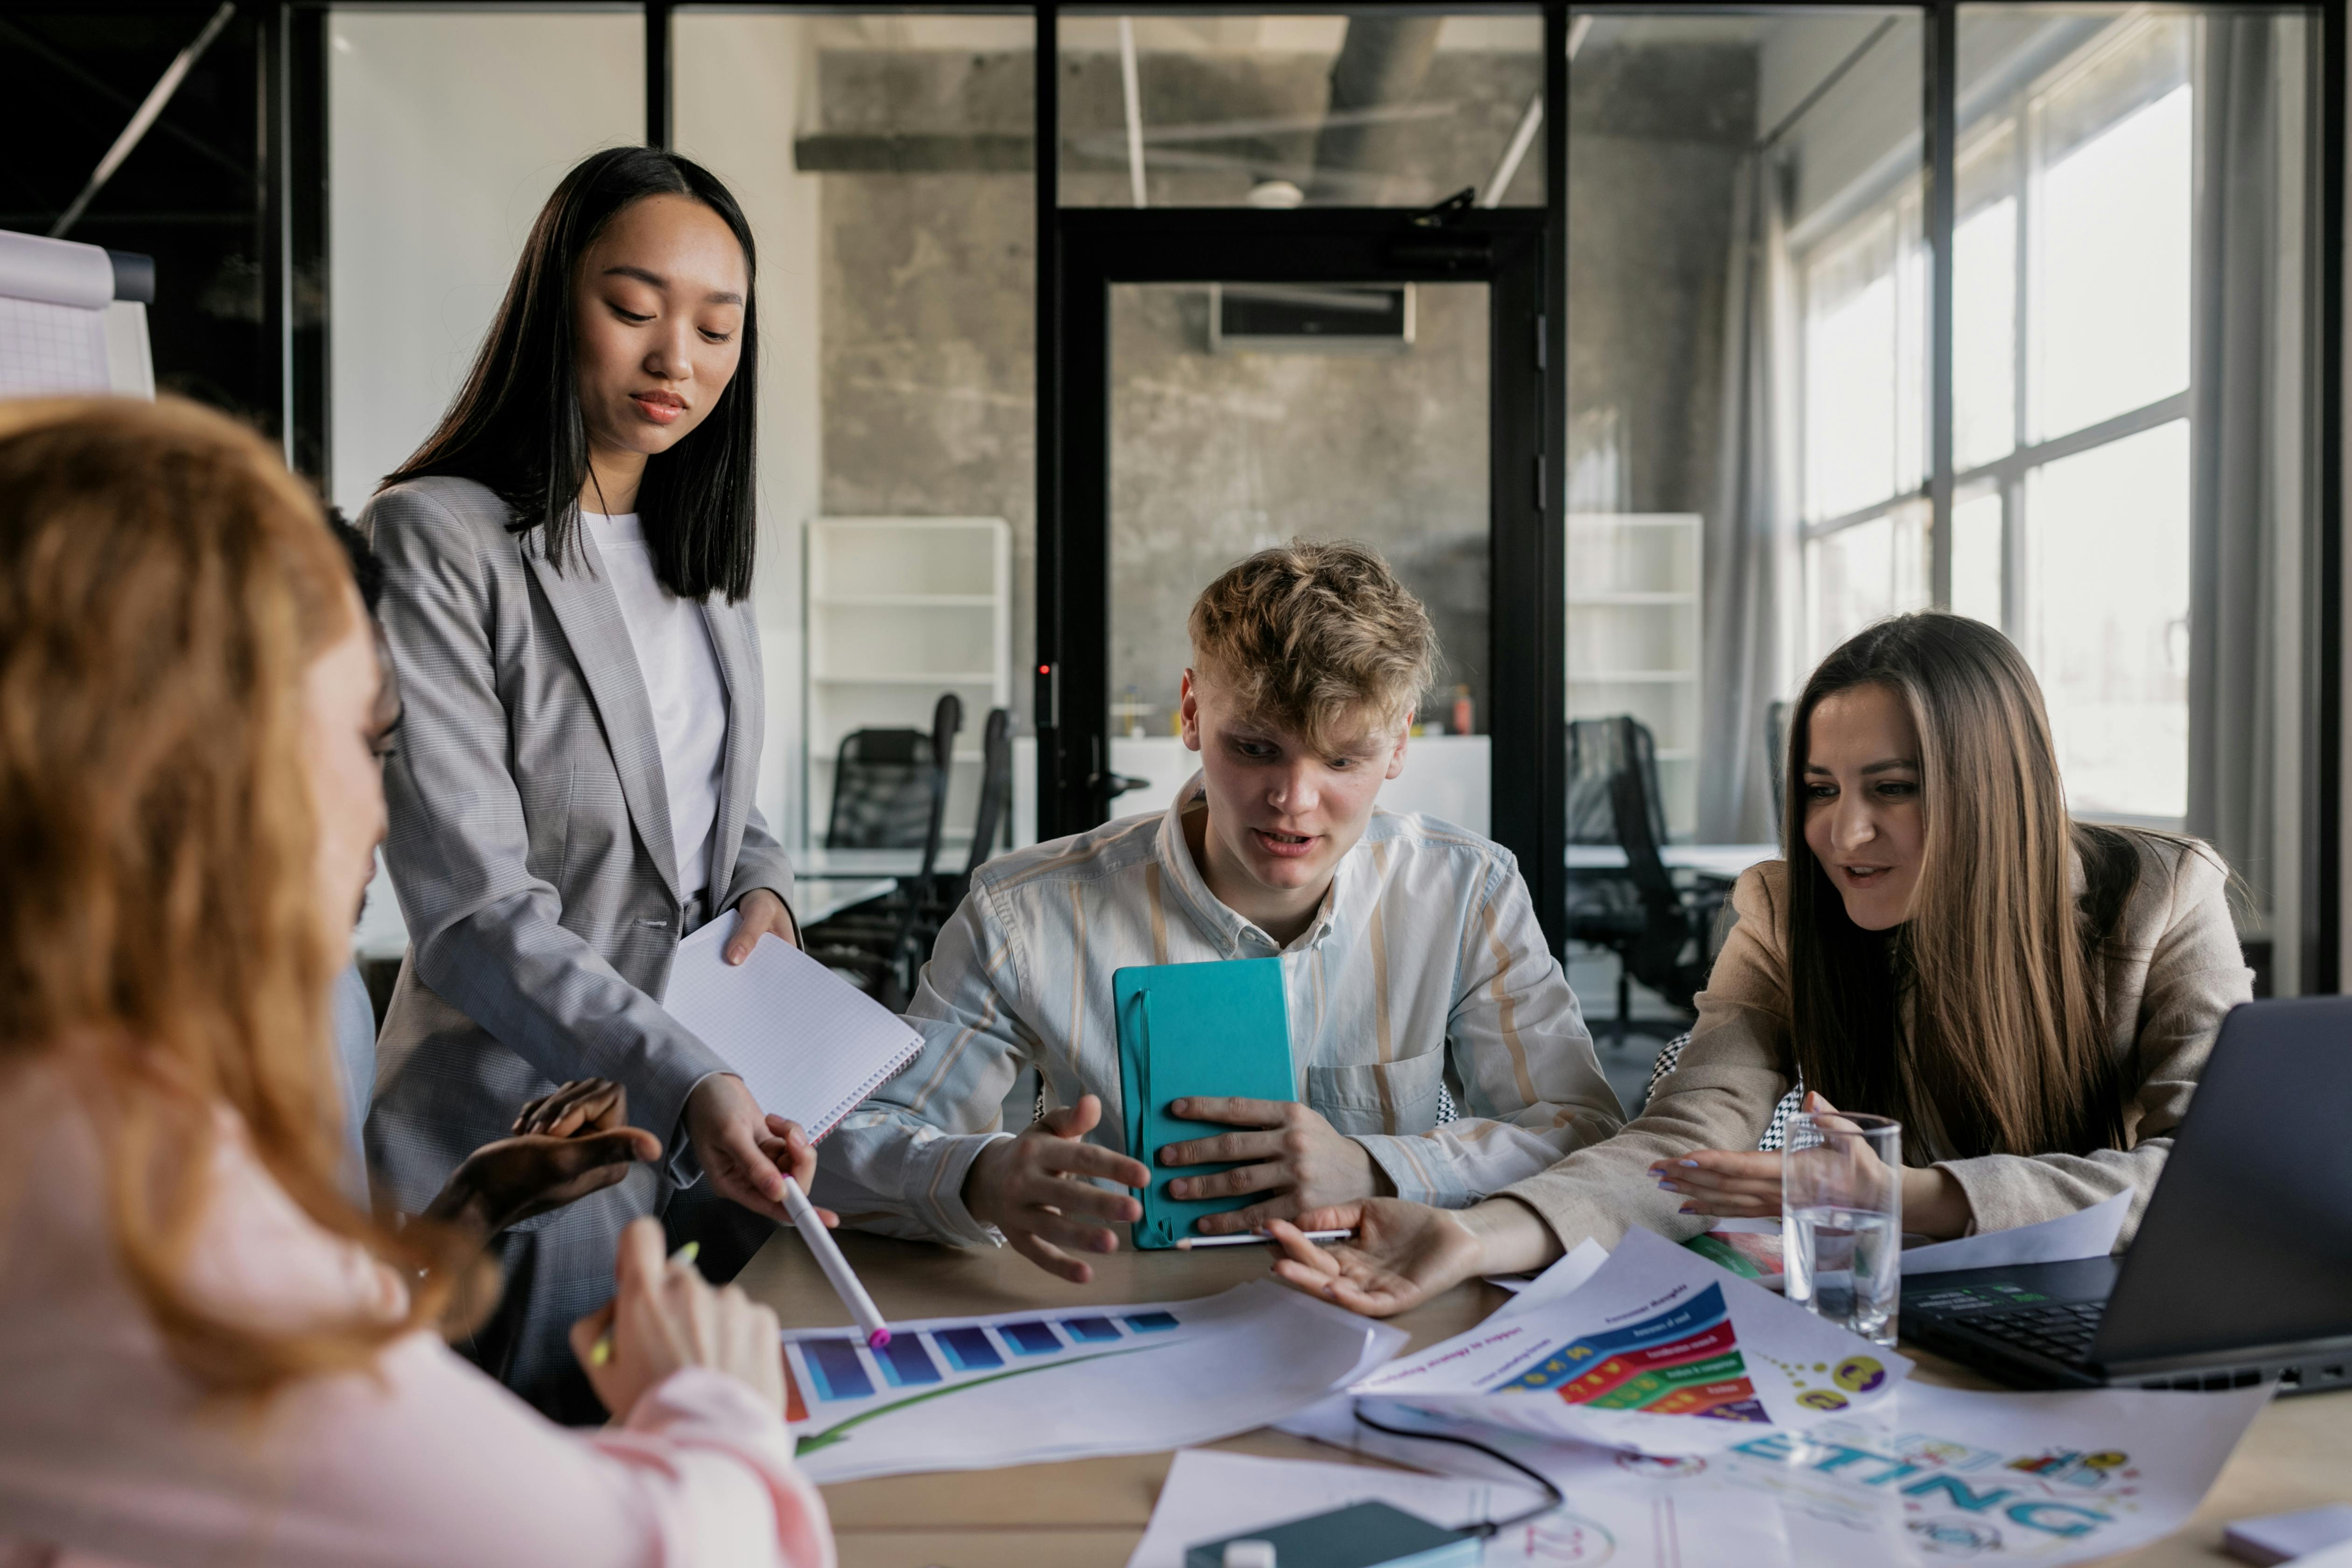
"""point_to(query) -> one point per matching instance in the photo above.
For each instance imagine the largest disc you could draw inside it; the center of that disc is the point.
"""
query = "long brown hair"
(1982, 1018)
(165, 584)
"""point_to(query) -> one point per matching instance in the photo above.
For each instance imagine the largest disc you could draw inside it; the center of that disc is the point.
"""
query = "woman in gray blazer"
(567, 562)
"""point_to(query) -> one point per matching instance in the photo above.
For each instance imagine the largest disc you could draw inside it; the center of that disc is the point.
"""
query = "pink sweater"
(108, 1454)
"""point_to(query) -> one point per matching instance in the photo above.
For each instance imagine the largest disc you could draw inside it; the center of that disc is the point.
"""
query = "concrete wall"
(928, 339)
(1656, 133)
(1215, 456)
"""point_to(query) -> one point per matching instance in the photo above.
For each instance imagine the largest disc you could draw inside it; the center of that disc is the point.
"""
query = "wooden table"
(1090, 1513)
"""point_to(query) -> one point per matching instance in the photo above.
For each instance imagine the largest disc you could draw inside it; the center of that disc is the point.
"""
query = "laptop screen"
(2248, 1238)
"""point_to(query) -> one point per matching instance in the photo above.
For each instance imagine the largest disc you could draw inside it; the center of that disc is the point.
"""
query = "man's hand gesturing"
(1034, 1188)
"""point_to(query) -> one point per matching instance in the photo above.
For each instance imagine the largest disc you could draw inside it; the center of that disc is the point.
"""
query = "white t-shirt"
(682, 681)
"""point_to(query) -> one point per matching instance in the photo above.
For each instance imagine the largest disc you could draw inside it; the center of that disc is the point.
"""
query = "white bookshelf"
(1633, 611)
(900, 609)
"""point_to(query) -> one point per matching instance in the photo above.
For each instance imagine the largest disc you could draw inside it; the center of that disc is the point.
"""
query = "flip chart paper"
(808, 1045)
(1658, 1351)
(1020, 1388)
(54, 295)
(1930, 1475)
(1209, 1494)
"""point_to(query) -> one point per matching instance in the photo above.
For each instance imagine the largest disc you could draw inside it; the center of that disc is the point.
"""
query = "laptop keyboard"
(2062, 1330)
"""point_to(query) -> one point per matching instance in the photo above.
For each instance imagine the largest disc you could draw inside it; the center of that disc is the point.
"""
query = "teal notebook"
(1195, 1029)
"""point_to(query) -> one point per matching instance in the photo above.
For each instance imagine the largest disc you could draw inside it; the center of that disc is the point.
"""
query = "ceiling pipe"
(1382, 62)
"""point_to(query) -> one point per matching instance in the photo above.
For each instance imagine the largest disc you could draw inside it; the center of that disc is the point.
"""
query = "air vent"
(1311, 319)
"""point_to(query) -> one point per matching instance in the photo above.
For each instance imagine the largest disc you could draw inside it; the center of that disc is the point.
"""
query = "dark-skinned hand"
(566, 1144)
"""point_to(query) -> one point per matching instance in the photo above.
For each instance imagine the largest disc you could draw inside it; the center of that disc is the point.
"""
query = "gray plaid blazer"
(531, 839)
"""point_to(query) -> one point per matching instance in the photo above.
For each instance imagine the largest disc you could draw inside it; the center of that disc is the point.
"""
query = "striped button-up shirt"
(1424, 975)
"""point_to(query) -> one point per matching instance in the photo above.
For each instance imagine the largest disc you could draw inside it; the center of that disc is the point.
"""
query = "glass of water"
(1842, 1218)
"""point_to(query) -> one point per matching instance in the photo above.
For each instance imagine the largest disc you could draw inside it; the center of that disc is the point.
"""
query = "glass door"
(1234, 379)
(1245, 416)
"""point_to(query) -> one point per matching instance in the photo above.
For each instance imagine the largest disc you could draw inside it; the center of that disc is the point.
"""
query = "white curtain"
(1750, 578)
(2245, 424)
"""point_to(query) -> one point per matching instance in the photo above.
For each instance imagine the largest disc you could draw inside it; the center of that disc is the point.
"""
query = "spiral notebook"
(808, 1045)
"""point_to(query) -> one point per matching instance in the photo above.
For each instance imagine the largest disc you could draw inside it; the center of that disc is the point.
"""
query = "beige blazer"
(2173, 969)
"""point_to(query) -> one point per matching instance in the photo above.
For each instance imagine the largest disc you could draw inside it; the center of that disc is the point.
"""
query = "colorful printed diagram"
(841, 1372)
(1685, 1361)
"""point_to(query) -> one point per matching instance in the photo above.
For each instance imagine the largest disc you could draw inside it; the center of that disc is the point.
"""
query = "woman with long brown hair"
(209, 1354)
(2033, 997)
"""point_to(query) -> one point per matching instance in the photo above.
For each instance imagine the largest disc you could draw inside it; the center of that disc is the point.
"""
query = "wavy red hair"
(165, 584)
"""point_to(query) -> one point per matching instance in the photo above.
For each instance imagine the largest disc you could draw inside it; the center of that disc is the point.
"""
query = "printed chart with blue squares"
(841, 1369)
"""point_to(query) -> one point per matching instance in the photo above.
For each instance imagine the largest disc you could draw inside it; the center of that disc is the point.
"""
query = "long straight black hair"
(516, 425)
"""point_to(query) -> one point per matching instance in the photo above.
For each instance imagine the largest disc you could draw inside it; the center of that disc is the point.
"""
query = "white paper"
(2085, 1233)
(2294, 1537)
(53, 299)
(1564, 1277)
(808, 1045)
(1658, 1351)
(1210, 1495)
(1928, 1476)
(1020, 1388)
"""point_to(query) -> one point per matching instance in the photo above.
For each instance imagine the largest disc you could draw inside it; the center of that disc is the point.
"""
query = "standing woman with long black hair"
(567, 561)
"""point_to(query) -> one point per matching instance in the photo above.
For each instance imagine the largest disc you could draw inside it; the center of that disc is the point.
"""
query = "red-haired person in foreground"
(208, 1354)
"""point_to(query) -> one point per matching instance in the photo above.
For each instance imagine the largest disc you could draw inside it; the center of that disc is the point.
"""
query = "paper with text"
(1658, 1351)
(1931, 1475)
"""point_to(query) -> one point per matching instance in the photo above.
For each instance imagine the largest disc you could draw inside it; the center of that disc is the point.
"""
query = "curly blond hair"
(1317, 637)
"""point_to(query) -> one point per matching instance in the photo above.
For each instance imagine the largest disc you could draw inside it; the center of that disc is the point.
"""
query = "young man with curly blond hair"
(1416, 975)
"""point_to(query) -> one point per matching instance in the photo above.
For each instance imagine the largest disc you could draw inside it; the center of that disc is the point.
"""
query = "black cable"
(1492, 1527)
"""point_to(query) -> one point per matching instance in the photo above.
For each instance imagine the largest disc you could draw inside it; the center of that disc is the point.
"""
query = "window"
(1864, 458)
(2070, 384)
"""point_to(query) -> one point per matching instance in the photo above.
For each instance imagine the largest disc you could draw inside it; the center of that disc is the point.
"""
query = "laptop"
(2241, 1271)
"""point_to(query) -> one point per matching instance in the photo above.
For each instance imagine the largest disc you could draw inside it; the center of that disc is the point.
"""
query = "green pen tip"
(690, 1251)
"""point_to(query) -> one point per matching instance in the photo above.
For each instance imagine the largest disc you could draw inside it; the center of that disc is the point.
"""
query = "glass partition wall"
(2117, 468)
(1787, 379)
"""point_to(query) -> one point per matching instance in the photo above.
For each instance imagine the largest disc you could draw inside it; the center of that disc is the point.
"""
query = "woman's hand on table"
(1405, 1253)
(663, 1316)
(1734, 1183)
(758, 910)
(746, 1154)
(1290, 1150)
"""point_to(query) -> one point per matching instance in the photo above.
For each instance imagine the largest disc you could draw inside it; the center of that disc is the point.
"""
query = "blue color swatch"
(968, 1349)
(1090, 1331)
(1153, 1322)
(1031, 1339)
(906, 1362)
(834, 1368)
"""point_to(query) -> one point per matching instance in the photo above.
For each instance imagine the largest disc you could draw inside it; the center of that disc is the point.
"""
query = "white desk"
(1724, 860)
(815, 863)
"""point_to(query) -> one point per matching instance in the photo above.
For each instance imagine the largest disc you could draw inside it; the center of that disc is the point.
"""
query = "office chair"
(882, 790)
(871, 942)
(1660, 931)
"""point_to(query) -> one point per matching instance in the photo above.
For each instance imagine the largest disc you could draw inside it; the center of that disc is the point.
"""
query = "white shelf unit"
(900, 609)
(1633, 621)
